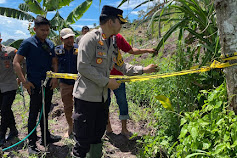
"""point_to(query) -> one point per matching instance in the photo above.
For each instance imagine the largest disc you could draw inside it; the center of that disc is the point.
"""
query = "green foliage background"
(201, 124)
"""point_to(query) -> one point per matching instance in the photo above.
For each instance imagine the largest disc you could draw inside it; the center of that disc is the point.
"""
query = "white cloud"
(134, 12)
(80, 26)
(13, 28)
(9, 21)
(2, 1)
(20, 32)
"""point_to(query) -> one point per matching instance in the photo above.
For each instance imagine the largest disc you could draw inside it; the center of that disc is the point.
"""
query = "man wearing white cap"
(67, 63)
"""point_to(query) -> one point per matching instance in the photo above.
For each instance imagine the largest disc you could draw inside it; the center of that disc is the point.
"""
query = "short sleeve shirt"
(38, 58)
(7, 73)
(124, 46)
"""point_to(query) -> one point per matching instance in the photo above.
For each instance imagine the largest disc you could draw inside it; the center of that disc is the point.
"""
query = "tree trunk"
(227, 23)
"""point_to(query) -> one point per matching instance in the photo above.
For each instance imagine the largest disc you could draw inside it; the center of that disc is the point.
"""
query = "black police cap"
(112, 11)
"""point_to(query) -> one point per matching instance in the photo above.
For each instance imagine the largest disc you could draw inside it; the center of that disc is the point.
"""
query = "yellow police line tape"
(121, 79)
(231, 56)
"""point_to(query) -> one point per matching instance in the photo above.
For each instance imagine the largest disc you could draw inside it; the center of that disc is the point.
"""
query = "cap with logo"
(112, 11)
(66, 32)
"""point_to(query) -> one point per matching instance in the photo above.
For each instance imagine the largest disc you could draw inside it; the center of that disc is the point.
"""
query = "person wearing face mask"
(8, 87)
(97, 55)
(67, 63)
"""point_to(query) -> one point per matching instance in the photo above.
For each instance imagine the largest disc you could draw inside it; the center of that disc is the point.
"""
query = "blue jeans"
(121, 98)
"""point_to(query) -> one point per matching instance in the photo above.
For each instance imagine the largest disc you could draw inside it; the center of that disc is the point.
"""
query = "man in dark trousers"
(40, 58)
(97, 54)
(8, 87)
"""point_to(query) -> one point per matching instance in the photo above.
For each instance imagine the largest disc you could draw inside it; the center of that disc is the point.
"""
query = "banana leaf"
(17, 14)
(78, 12)
(24, 7)
(34, 7)
(52, 5)
(57, 22)
(16, 44)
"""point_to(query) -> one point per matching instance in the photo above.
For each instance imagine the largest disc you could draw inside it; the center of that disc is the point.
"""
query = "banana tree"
(42, 7)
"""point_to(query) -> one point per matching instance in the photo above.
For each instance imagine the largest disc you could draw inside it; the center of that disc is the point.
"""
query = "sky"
(17, 29)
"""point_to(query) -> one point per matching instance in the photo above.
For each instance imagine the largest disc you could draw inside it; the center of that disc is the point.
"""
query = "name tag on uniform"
(102, 54)
(100, 47)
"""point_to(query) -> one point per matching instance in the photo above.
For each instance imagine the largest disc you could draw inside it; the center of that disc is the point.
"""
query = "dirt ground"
(115, 144)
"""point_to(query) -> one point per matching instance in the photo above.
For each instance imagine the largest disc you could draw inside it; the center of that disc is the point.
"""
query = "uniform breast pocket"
(100, 60)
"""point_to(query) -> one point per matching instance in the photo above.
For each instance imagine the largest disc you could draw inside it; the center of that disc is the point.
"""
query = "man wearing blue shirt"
(67, 63)
(40, 58)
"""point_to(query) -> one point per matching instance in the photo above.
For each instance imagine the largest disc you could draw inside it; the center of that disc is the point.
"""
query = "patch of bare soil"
(115, 145)
(58, 126)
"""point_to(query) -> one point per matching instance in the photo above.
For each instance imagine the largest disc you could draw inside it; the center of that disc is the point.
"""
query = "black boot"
(13, 133)
(32, 149)
(51, 139)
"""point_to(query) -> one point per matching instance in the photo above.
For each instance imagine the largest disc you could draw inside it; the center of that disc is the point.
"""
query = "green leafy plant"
(194, 19)
(211, 131)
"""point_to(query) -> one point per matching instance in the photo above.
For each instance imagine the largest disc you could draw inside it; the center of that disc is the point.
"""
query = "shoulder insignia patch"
(120, 61)
(104, 36)
(75, 51)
